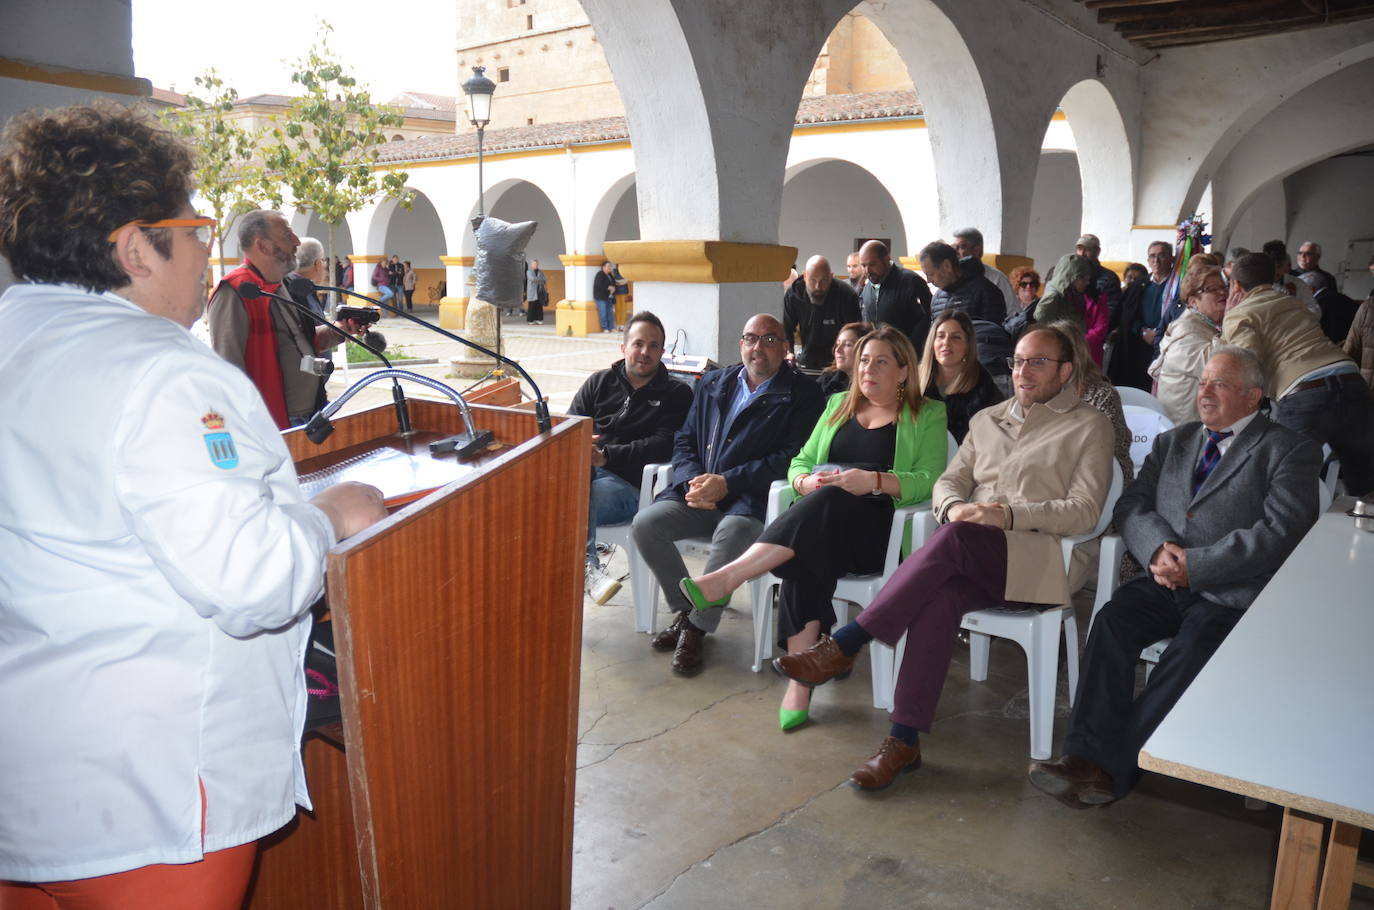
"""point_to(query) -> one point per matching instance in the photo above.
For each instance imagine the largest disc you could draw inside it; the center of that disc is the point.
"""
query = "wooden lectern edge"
(1242, 787)
(434, 415)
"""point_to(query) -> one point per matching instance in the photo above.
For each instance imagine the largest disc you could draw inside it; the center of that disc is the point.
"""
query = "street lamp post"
(479, 90)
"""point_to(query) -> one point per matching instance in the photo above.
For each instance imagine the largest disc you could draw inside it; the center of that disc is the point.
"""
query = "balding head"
(761, 348)
(874, 258)
(818, 278)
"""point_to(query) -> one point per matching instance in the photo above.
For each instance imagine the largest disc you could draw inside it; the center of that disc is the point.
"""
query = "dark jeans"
(1340, 414)
(1109, 724)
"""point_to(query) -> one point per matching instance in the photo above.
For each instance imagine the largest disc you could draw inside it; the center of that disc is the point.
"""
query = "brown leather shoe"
(818, 664)
(1072, 779)
(892, 758)
(687, 657)
(667, 639)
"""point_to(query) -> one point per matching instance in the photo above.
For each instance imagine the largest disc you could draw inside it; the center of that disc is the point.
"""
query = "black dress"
(960, 408)
(832, 381)
(833, 533)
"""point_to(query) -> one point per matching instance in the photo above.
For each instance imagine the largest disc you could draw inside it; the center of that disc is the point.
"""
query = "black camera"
(360, 314)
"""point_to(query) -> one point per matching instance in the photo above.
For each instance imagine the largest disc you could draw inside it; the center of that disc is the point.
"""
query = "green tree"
(324, 151)
(228, 172)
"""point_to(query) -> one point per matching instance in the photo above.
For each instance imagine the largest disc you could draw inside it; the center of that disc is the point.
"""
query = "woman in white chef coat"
(158, 555)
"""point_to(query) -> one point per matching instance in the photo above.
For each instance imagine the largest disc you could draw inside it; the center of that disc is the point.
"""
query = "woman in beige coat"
(1186, 346)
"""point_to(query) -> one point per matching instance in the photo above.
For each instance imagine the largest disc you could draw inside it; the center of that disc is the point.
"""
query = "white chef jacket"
(156, 555)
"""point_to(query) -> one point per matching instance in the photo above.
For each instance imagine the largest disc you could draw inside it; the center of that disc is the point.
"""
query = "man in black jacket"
(961, 285)
(636, 406)
(745, 424)
(818, 306)
(893, 295)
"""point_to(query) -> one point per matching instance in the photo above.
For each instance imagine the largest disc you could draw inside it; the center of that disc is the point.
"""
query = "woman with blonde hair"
(880, 445)
(951, 372)
(1187, 344)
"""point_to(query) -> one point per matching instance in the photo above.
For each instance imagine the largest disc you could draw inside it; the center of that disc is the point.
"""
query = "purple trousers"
(962, 568)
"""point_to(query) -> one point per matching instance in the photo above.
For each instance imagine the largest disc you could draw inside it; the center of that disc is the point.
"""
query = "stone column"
(363, 265)
(704, 290)
(453, 307)
(576, 312)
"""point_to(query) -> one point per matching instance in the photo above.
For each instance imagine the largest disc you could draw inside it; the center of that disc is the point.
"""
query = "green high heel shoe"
(790, 720)
(690, 591)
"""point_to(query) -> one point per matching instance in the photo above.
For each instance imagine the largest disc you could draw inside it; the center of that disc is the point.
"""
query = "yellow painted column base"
(576, 318)
(1005, 262)
(453, 313)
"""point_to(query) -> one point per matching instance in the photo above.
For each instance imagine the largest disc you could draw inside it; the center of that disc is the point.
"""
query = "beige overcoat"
(1053, 470)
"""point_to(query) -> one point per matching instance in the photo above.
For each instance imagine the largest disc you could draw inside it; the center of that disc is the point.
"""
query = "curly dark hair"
(70, 176)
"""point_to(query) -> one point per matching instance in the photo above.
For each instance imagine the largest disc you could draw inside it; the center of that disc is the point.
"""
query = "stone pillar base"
(576, 318)
(480, 327)
(453, 313)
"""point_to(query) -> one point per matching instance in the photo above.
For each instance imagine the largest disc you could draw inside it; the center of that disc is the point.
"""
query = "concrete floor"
(688, 796)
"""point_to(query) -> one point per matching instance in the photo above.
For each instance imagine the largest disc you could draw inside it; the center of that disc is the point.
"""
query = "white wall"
(827, 206)
(526, 202)
(624, 223)
(417, 235)
(1266, 218)
(1332, 202)
(1056, 209)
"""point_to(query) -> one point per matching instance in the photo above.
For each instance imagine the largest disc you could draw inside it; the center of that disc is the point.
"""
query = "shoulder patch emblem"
(222, 452)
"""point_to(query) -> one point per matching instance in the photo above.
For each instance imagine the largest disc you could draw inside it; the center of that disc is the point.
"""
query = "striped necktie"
(1211, 454)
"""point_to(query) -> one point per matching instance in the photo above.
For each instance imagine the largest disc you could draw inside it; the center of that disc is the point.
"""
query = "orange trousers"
(218, 882)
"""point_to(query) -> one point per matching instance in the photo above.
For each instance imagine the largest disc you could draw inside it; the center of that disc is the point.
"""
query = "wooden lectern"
(458, 627)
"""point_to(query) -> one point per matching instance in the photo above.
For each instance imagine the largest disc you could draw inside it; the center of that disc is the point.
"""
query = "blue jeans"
(386, 293)
(606, 310)
(614, 502)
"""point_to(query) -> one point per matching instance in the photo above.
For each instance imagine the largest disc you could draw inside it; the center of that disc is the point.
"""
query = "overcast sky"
(400, 45)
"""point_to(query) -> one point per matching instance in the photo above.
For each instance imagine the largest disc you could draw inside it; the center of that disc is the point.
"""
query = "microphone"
(541, 407)
(316, 430)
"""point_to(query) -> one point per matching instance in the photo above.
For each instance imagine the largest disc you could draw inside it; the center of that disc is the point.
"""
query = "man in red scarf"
(266, 339)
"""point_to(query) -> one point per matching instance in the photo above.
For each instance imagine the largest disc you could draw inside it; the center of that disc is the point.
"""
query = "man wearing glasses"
(745, 424)
(1030, 470)
(273, 343)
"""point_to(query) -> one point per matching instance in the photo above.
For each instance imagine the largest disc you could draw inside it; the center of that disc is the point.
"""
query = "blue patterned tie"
(1210, 456)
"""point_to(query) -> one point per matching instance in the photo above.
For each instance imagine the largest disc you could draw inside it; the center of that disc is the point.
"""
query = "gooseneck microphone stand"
(541, 407)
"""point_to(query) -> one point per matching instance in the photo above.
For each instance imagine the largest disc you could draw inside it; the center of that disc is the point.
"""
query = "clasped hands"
(705, 490)
(857, 481)
(1169, 566)
(993, 514)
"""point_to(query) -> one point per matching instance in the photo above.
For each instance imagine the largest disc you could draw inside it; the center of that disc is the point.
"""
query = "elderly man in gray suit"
(1217, 508)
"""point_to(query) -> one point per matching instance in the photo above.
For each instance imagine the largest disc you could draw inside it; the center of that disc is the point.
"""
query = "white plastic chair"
(1139, 397)
(644, 587)
(1145, 424)
(1037, 631)
(1109, 578)
(859, 590)
(621, 536)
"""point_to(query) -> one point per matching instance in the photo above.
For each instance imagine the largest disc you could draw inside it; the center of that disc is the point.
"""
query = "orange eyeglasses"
(205, 227)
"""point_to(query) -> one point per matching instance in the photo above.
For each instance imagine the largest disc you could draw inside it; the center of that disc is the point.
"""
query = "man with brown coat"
(1031, 470)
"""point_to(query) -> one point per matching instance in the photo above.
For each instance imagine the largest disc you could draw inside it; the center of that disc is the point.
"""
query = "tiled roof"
(446, 103)
(822, 109)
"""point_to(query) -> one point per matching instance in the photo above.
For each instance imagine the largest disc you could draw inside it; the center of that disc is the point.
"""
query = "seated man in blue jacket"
(745, 424)
(636, 407)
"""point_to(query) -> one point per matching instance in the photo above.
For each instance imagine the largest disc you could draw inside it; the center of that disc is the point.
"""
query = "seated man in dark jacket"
(893, 295)
(636, 406)
(817, 306)
(745, 424)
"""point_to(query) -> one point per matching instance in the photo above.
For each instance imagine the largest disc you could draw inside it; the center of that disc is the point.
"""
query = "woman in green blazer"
(878, 446)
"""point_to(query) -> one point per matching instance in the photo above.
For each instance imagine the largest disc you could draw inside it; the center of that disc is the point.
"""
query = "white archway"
(605, 212)
(830, 203)
(1105, 164)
